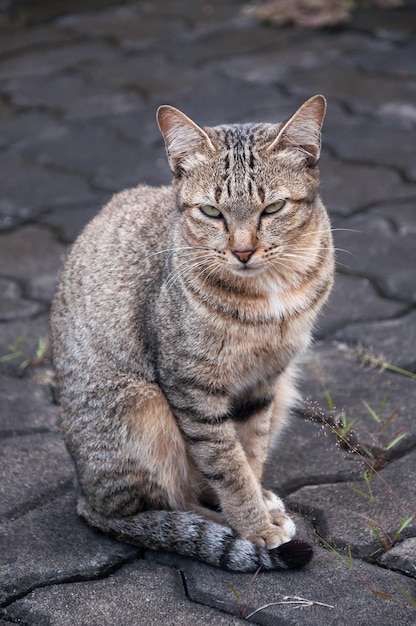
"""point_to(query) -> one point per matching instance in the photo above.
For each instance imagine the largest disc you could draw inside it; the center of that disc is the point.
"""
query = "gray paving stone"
(40, 62)
(394, 340)
(40, 91)
(345, 83)
(230, 101)
(50, 544)
(348, 187)
(134, 23)
(348, 514)
(398, 64)
(27, 332)
(87, 148)
(12, 304)
(36, 258)
(332, 368)
(28, 189)
(402, 557)
(375, 250)
(401, 215)
(140, 593)
(25, 407)
(353, 300)
(17, 126)
(308, 52)
(18, 39)
(150, 73)
(33, 468)
(373, 140)
(308, 453)
(348, 590)
(69, 221)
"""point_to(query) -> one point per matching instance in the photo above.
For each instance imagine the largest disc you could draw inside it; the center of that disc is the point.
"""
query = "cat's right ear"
(186, 143)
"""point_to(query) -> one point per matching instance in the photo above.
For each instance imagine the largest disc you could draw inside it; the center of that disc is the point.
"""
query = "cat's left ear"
(186, 143)
(303, 130)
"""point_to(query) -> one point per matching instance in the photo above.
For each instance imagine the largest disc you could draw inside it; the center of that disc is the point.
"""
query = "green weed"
(16, 351)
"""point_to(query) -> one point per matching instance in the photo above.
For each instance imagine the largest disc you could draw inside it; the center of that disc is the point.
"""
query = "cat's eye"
(210, 211)
(275, 207)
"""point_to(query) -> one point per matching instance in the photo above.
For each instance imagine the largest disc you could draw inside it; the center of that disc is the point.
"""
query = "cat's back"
(132, 222)
(111, 274)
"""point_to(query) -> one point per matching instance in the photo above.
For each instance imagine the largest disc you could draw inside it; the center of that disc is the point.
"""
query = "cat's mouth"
(246, 269)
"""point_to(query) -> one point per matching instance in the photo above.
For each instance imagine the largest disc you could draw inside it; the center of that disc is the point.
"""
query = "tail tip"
(295, 554)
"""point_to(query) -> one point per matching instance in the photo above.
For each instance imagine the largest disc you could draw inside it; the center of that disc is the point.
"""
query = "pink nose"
(243, 255)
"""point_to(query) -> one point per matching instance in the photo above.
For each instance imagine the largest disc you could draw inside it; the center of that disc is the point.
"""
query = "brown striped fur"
(177, 336)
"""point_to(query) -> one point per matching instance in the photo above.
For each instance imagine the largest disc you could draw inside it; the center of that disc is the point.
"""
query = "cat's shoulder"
(142, 199)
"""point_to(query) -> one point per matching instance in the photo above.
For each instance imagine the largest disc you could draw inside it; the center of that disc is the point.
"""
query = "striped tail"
(189, 534)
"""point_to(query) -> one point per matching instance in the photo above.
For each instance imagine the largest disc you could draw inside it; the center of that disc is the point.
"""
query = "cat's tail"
(189, 534)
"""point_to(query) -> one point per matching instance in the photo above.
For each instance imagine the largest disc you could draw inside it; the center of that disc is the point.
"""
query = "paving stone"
(402, 557)
(230, 101)
(376, 140)
(26, 407)
(326, 579)
(401, 215)
(36, 258)
(333, 369)
(140, 593)
(306, 52)
(308, 453)
(69, 221)
(150, 73)
(353, 300)
(23, 197)
(24, 334)
(40, 62)
(394, 339)
(375, 250)
(345, 83)
(134, 23)
(50, 544)
(26, 478)
(88, 148)
(348, 514)
(348, 187)
(19, 125)
(21, 38)
(12, 304)
(41, 91)
(399, 64)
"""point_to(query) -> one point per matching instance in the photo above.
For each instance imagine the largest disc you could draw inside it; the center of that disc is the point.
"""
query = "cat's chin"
(246, 271)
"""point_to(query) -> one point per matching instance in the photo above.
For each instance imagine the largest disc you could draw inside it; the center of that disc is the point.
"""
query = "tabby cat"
(177, 325)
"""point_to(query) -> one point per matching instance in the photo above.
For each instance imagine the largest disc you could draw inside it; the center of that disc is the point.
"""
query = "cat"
(179, 319)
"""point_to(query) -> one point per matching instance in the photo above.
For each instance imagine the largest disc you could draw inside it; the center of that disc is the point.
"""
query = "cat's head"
(247, 193)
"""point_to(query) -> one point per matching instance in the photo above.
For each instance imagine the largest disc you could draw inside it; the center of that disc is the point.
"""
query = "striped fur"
(177, 336)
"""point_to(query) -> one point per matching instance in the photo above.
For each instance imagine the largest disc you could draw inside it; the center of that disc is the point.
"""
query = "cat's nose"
(243, 255)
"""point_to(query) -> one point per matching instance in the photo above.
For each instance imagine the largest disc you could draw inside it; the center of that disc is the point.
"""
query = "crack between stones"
(102, 574)
(45, 498)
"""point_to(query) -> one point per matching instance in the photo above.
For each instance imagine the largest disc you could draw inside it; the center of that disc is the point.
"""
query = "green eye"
(275, 207)
(210, 211)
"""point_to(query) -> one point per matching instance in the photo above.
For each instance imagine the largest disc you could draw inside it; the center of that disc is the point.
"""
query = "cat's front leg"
(220, 458)
(254, 435)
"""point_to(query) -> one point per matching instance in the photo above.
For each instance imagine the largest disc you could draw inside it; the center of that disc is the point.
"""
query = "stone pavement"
(78, 96)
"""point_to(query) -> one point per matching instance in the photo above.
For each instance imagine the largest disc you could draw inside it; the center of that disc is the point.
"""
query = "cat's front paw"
(271, 536)
(278, 515)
